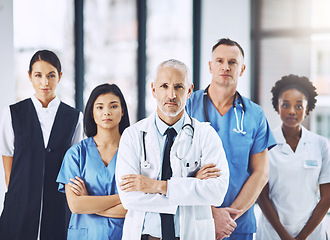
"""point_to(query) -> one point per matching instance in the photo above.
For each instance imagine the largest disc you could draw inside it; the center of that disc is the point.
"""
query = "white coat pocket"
(208, 232)
(193, 168)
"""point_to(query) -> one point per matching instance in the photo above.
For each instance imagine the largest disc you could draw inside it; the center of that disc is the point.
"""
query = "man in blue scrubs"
(246, 136)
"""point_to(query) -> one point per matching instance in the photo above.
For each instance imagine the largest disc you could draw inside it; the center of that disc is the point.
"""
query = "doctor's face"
(171, 90)
(226, 65)
(292, 107)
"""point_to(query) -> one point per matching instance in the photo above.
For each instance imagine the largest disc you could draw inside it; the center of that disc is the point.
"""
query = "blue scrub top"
(238, 147)
(83, 160)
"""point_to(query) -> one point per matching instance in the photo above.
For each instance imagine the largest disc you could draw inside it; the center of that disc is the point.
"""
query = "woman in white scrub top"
(297, 196)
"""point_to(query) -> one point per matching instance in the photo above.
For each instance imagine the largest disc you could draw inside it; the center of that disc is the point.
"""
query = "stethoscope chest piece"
(145, 164)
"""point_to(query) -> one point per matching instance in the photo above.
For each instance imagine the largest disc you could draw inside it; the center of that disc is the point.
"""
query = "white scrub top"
(294, 178)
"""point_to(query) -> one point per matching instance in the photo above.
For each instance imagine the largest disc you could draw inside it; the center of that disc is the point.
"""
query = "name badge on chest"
(311, 163)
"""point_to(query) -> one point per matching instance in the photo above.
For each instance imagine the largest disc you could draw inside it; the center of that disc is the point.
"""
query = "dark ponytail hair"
(47, 56)
(89, 123)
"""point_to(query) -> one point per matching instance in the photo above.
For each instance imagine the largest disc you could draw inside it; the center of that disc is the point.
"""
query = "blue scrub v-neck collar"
(99, 156)
(238, 103)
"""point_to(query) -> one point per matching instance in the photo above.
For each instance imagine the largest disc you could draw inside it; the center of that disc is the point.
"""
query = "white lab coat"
(193, 196)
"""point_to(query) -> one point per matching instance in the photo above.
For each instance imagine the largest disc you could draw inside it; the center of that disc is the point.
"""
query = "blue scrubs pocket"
(78, 234)
(240, 150)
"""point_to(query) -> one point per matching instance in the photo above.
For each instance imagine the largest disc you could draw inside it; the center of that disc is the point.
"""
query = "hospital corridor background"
(122, 42)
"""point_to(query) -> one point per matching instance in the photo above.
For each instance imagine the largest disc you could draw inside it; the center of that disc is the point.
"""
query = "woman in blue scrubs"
(87, 175)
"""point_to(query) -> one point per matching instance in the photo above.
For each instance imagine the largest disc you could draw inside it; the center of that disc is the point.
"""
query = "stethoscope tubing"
(146, 164)
(237, 95)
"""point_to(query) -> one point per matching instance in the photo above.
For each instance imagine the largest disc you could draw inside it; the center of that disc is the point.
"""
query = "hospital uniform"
(238, 146)
(37, 139)
(294, 178)
(83, 160)
(187, 196)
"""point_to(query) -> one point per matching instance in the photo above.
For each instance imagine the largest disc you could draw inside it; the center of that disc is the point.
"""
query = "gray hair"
(175, 64)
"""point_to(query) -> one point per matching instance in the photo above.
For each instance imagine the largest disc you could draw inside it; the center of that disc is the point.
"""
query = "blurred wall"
(222, 18)
(7, 83)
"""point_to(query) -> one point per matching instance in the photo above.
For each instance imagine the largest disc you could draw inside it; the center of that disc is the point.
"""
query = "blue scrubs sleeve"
(70, 167)
(264, 137)
(188, 106)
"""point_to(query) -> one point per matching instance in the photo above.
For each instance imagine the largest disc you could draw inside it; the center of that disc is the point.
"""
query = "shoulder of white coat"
(200, 125)
(137, 127)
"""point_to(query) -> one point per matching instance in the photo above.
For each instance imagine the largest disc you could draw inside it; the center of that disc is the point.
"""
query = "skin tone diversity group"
(107, 183)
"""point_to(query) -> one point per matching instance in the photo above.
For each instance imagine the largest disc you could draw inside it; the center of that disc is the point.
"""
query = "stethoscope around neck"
(239, 129)
(187, 129)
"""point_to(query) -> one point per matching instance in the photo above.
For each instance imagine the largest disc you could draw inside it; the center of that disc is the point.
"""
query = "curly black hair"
(302, 84)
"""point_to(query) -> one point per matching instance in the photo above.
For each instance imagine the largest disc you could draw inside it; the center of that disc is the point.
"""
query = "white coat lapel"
(176, 163)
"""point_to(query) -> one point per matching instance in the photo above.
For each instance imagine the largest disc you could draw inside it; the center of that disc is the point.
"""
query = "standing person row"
(158, 159)
(35, 134)
(299, 169)
(87, 175)
(246, 136)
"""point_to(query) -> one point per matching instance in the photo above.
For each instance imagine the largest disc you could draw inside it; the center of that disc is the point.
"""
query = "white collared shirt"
(152, 222)
(46, 118)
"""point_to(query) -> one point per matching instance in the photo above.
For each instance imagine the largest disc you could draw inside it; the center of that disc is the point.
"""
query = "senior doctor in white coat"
(186, 195)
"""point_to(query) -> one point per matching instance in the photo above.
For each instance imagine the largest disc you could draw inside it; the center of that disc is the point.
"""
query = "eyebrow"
(99, 103)
(296, 101)
(230, 59)
(47, 73)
